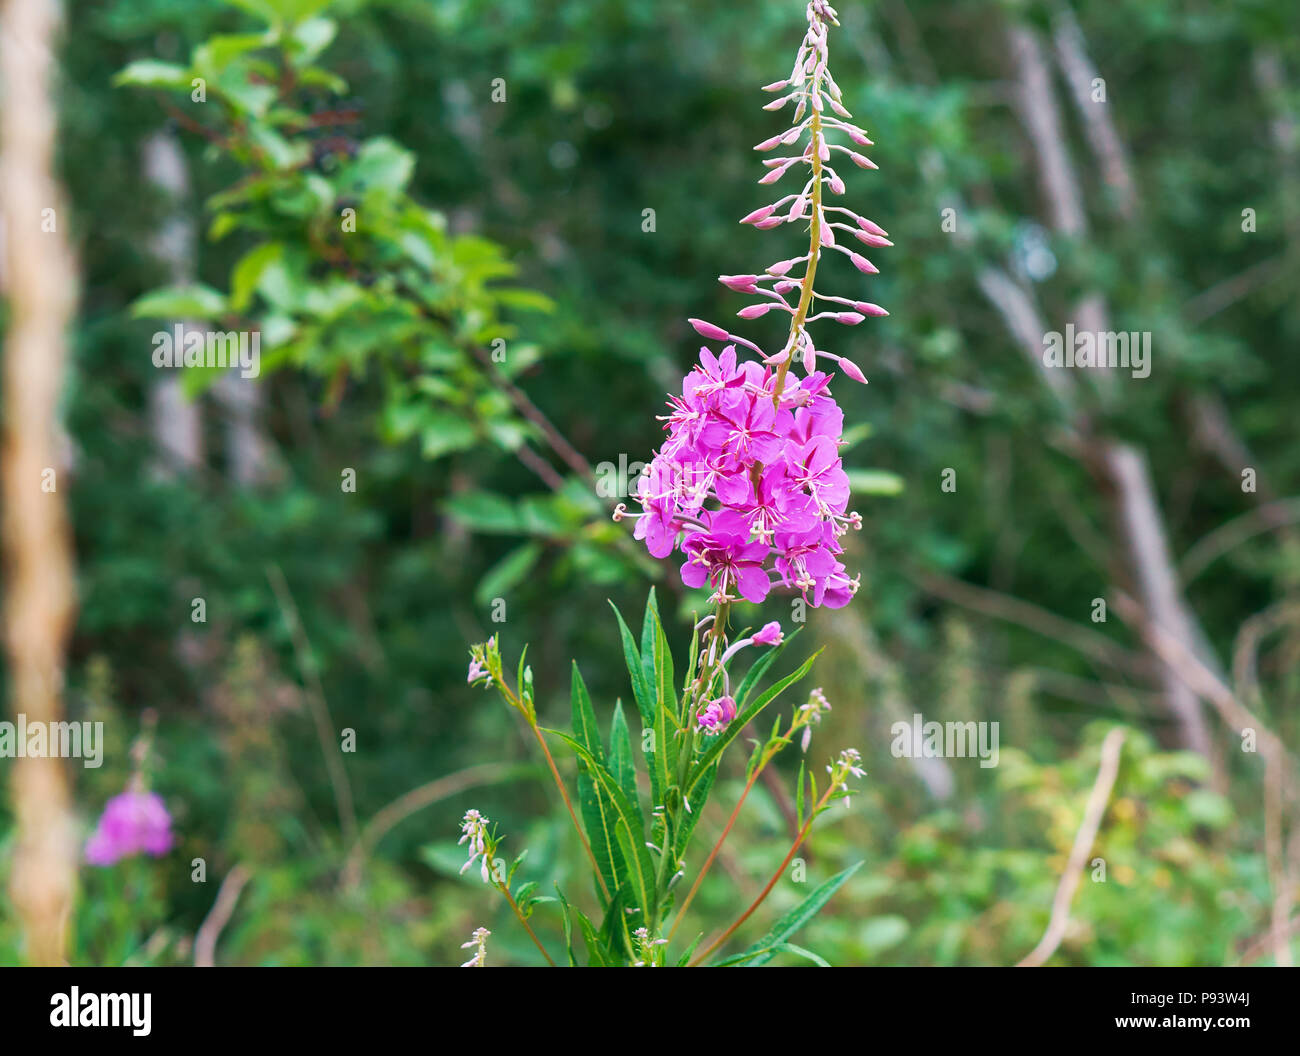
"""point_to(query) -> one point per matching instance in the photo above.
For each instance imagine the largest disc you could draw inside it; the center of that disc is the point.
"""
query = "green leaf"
(657, 671)
(447, 434)
(381, 163)
(585, 728)
(689, 952)
(632, 658)
(874, 482)
(645, 704)
(686, 821)
(768, 953)
(599, 820)
(622, 764)
(566, 922)
(150, 73)
(483, 511)
(629, 831)
(177, 303)
(311, 37)
(245, 275)
(507, 573)
(720, 742)
(766, 948)
(598, 954)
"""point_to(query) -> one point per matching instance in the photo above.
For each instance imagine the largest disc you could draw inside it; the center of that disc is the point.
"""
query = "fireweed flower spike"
(648, 949)
(747, 491)
(479, 944)
(749, 481)
(810, 715)
(474, 829)
(844, 767)
(133, 822)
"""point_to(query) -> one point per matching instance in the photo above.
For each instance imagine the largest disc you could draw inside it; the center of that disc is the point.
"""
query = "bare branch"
(1083, 841)
(205, 939)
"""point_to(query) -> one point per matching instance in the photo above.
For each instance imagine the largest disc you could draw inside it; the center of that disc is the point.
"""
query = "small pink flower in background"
(133, 822)
(714, 718)
(769, 635)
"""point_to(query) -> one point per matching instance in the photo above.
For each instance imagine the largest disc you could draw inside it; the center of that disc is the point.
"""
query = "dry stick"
(780, 870)
(319, 707)
(205, 940)
(1080, 74)
(41, 275)
(1260, 946)
(1083, 841)
(417, 799)
(1225, 294)
(1271, 517)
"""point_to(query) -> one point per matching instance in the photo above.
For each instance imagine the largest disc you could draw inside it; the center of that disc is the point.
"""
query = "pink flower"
(770, 634)
(749, 482)
(133, 822)
(715, 717)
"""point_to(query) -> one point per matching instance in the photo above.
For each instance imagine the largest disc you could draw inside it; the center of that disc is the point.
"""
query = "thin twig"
(205, 939)
(1083, 841)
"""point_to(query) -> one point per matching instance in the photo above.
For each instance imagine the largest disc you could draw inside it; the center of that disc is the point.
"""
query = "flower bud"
(863, 264)
(708, 330)
(867, 308)
(759, 214)
(753, 311)
(851, 369)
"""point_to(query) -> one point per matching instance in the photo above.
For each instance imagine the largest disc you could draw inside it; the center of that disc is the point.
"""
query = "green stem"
(814, 254)
(780, 869)
(505, 890)
(559, 783)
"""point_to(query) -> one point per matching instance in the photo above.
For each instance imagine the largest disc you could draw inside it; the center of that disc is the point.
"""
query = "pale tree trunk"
(38, 554)
(175, 421)
(1122, 470)
(248, 452)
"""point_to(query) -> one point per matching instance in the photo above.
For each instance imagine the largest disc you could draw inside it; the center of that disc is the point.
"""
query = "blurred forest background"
(507, 316)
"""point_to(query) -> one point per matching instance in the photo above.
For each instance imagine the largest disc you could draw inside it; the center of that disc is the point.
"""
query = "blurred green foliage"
(472, 214)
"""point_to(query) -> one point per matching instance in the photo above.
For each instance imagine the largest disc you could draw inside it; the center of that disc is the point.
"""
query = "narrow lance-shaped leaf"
(629, 829)
(764, 949)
